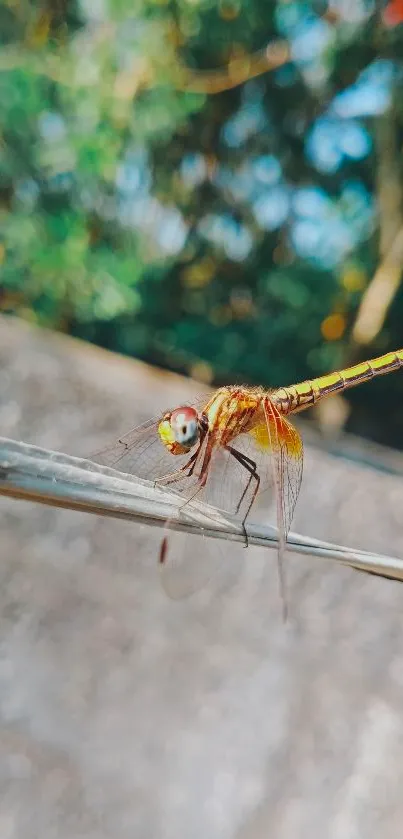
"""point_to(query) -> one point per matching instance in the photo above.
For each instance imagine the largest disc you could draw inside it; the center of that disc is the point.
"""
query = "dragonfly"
(233, 446)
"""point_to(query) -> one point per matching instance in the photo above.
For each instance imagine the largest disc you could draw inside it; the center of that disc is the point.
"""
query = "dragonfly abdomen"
(297, 397)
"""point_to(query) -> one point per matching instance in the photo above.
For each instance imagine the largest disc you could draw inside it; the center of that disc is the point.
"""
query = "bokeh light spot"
(333, 327)
(202, 372)
(353, 279)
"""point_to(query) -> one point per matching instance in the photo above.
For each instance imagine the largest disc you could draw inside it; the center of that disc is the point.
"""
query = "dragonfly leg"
(175, 476)
(250, 467)
(190, 465)
(202, 479)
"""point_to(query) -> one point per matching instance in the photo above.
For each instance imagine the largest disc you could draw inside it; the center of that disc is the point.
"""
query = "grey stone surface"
(127, 715)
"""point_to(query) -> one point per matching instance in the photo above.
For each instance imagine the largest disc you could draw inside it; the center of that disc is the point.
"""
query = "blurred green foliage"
(228, 236)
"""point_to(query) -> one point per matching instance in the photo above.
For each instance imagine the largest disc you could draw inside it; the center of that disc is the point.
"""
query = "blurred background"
(212, 187)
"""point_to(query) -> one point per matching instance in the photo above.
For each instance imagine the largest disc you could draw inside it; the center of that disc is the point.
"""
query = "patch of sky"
(357, 208)
(325, 231)
(381, 70)
(171, 232)
(94, 10)
(311, 202)
(267, 169)
(226, 233)
(309, 37)
(137, 212)
(239, 182)
(56, 156)
(131, 32)
(354, 140)
(331, 140)
(322, 148)
(247, 181)
(51, 126)
(248, 121)
(27, 192)
(370, 95)
(289, 16)
(162, 224)
(323, 243)
(133, 174)
(306, 237)
(193, 170)
(271, 209)
(353, 12)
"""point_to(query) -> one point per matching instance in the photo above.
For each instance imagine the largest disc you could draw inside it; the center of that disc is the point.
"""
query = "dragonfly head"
(179, 430)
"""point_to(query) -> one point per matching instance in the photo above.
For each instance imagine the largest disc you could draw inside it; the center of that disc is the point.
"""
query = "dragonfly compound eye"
(185, 427)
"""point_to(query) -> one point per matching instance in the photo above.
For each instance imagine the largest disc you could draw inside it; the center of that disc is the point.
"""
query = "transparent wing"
(140, 452)
(290, 471)
(192, 563)
(228, 479)
(273, 451)
(287, 463)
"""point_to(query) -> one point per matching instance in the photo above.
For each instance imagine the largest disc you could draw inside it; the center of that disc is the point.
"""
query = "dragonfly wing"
(290, 468)
(140, 452)
(190, 563)
(229, 486)
(135, 452)
(275, 450)
(287, 463)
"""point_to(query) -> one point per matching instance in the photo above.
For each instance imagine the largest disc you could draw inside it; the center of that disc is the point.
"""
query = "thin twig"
(56, 479)
(238, 71)
(382, 288)
(378, 296)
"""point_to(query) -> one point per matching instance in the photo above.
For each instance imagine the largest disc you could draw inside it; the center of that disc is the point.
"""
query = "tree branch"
(238, 71)
(382, 289)
(40, 475)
